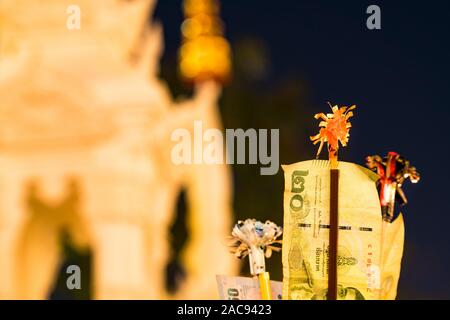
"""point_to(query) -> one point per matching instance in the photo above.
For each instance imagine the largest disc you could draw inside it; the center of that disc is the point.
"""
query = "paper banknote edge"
(326, 164)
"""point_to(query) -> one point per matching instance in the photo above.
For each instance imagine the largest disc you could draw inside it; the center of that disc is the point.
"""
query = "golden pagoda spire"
(205, 54)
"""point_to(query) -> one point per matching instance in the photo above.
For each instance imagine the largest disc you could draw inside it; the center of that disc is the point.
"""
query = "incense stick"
(334, 128)
(334, 234)
(264, 286)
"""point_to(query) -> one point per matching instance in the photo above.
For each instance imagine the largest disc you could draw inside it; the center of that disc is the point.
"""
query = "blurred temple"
(85, 128)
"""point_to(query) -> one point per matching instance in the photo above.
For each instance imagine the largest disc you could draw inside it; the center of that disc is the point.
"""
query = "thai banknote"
(393, 235)
(243, 288)
(306, 232)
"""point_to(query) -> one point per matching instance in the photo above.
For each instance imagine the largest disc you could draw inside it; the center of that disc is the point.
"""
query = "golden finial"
(205, 54)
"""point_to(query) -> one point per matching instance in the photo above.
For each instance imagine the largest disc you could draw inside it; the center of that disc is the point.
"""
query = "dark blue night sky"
(397, 76)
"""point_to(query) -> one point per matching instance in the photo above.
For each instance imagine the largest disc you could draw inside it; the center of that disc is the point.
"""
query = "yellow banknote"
(392, 252)
(306, 232)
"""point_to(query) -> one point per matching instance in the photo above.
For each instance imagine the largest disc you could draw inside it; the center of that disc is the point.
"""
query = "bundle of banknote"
(369, 251)
(244, 288)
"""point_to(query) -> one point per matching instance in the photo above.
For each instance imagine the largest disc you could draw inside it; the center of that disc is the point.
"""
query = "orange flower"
(335, 127)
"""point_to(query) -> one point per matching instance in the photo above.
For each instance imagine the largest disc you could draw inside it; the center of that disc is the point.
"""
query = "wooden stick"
(334, 227)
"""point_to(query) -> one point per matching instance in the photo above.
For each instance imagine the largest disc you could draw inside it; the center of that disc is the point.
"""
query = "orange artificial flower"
(334, 127)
